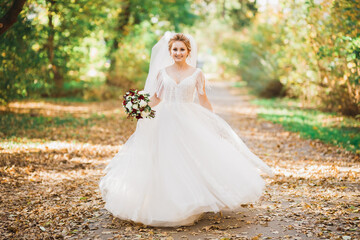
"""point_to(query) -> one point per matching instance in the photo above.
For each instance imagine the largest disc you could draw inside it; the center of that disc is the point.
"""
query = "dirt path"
(297, 204)
(314, 195)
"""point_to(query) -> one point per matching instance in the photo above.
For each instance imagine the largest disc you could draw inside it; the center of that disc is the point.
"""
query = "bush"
(273, 89)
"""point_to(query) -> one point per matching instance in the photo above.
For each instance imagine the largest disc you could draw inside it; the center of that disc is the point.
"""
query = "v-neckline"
(173, 80)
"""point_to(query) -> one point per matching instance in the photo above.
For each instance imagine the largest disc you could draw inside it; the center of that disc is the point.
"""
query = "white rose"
(143, 103)
(135, 106)
(142, 92)
(128, 105)
(144, 114)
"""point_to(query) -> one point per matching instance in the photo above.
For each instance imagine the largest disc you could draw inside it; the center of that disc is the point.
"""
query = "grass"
(13, 123)
(70, 100)
(311, 123)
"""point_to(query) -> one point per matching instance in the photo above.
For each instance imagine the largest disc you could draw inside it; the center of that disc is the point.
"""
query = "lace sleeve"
(159, 89)
(201, 83)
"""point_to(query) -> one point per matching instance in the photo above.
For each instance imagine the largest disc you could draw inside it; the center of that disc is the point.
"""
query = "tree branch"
(11, 16)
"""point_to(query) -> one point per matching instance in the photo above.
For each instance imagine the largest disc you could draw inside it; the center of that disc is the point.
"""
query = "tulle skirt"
(184, 162)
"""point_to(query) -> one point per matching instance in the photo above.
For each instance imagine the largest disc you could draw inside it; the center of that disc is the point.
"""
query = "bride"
(187, 160)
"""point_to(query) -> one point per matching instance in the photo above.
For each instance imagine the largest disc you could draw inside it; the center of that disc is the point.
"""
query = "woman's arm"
(154, 100)
(203, 99)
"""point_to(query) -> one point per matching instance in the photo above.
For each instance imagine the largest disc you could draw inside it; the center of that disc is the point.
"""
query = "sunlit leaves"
(312, 47)
(53, 42)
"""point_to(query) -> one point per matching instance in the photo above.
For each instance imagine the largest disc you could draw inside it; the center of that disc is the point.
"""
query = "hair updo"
(182, 38)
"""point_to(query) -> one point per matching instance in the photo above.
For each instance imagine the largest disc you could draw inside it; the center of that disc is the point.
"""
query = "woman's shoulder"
(200, 73)
(196, 70)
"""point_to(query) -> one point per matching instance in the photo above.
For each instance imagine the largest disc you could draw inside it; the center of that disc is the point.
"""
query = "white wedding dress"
(182, 163)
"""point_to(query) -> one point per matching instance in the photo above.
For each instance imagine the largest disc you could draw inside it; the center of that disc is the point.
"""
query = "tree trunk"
(58, 77)
(11, 16)
(223, 13)
(124, 18)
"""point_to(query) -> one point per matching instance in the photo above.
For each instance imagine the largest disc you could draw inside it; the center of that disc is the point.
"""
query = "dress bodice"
(167, 89)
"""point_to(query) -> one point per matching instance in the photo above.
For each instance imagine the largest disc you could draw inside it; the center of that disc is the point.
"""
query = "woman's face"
(178, 51)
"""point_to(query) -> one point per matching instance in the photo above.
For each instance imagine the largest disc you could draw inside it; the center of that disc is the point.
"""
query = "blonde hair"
(182, 38)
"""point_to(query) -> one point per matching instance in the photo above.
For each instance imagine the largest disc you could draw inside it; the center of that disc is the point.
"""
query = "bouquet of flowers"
(136, 104)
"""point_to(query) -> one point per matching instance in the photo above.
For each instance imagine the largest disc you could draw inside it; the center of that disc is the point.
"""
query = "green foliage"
(335, 40)
(48, 45)
(131, 60)
(310, 123)
(22, 69)
(240, 13)
(87, 48)
(55, 44)
(311, 48)
(142, 24)
(258, 68)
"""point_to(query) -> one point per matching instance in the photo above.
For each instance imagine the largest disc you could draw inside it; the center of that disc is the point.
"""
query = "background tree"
(11, 15)
(62, 48)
